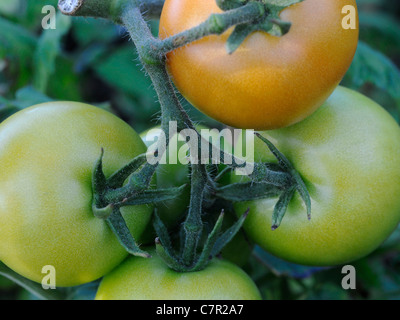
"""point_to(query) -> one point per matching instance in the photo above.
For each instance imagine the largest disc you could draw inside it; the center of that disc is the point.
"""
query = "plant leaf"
(47, 50)
(371, 66)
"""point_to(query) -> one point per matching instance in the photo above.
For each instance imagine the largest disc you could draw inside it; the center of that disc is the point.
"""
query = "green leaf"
(6, 111)
(15, 40)
(386, 26)
(371, 66)
(25, 97)
(33, 287)
(120, 70)
(17, 45)
(9, 8)
(29, 96)
(100, 32)
(47, 51)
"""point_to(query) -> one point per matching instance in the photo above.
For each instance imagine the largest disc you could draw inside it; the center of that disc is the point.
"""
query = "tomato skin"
(47, 154)
(348, 154)
(151, 279)
(269, 82)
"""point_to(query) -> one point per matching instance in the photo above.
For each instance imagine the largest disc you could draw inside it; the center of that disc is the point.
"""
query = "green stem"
(109, 9)
(193, 225)
(216, 24)
(171, 108)
(152, 53)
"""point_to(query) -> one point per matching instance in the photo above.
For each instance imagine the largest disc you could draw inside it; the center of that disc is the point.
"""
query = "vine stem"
(152, 54)
(215, 24)
(109, 9)
(171, 110)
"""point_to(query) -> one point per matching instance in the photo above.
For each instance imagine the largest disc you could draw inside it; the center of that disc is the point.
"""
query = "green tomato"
(47, 154)
(151, 279)
(348, 154)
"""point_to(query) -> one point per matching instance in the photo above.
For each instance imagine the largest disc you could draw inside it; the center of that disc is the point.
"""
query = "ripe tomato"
(151, 279)
(348, 154)
(47, 154)
(268, 82)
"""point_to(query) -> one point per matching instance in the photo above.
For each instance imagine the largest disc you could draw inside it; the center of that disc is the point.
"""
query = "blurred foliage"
(93, 61)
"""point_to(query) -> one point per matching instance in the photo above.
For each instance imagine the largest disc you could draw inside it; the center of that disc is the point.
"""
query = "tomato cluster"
(345, 147)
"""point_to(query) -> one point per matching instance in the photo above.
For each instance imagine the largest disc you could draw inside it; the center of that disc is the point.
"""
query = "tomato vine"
(267, 181)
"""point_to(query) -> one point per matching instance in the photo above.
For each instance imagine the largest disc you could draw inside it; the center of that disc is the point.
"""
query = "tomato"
(47, 154)
(268, 82)
(151, 279)
(348, 154)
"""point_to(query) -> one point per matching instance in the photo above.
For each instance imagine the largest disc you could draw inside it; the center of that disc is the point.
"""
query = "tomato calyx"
(193, 246)
(215, 241)
(109, 195)
(269, 180)
(269, 22)
(230, 4)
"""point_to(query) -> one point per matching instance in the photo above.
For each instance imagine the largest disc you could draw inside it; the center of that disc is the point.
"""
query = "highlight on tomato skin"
(348, 154)
(268, 82)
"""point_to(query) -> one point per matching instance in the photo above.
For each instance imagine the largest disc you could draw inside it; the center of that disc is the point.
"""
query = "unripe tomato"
(151, 279)
(348, 154)
(47, 155)
(268, 82)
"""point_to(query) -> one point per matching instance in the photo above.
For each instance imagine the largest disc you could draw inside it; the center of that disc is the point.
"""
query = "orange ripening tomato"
(269, 82)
